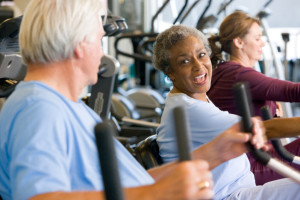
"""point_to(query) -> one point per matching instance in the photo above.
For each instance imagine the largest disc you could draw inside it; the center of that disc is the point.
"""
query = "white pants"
(282, 189)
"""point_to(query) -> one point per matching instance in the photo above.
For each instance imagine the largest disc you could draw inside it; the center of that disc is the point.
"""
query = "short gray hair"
(168, 39)
(51, 29)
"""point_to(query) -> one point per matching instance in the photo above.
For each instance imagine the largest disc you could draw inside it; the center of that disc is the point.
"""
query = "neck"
(59, 75)
(198, 96)
(242, 61)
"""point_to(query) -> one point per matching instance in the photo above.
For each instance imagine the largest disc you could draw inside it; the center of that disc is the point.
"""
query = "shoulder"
(227, 68)
(34, 111)
(37, 98)
(228, 65)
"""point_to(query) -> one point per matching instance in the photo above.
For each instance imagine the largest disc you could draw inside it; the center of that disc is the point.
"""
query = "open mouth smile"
(201, 79)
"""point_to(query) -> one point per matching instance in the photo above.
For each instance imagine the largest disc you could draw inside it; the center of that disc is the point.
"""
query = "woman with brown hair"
(241, 38)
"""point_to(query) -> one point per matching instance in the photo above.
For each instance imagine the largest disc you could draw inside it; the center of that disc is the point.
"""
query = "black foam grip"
(182, 133)
(266, 115)
(244, 106)
(109, 167)
(282, 151)
(262, 156)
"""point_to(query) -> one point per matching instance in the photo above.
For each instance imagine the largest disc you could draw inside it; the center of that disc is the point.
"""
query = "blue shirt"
(47, 144)
(205, 121)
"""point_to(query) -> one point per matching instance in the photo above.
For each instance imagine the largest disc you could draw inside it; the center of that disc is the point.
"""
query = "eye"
(184, 61)
(258, 38)
(201, 55)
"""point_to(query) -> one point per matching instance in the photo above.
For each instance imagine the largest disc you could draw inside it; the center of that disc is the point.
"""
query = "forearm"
(282, 127)
(159, 172)
(207, 152)
(70, 195)
(266, 88)
(129, 193)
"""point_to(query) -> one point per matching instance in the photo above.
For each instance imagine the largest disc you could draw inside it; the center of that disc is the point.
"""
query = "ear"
(238, 42)
(171, 77)
(78, 52)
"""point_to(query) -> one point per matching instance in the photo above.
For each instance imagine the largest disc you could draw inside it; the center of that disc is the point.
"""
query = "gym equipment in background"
(209, 21)
(275, 57)
(243, 102)
(144, 98)
(114, 25)
(12, 70)
(188, 11)
(6, 10)
(130, 131)
(147, 152)
(100, 98)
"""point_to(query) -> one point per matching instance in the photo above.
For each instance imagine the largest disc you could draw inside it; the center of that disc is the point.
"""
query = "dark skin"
(282, 127)
(191, 72)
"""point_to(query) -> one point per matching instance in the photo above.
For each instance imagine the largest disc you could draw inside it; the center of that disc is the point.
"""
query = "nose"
(197, 64)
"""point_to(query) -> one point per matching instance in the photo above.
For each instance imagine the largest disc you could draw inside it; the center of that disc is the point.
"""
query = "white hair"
(51, 29)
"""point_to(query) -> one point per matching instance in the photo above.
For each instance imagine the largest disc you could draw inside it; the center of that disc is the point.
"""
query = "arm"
(180, 183)
(282, 127)
(231, 144)
(267, 88)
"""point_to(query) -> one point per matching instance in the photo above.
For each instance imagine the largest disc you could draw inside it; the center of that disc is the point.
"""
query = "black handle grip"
(242, 98)
(244, 107)
(182, 133)
(109, 167)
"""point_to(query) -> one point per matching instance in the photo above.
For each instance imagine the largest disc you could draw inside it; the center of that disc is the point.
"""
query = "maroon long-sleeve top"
(264, 90)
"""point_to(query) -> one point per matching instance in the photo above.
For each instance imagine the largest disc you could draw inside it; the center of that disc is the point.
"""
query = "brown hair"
(234, 25)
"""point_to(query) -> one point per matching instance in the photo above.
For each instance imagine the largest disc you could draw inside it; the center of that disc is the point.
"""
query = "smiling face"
(191, 68)
(252, 44)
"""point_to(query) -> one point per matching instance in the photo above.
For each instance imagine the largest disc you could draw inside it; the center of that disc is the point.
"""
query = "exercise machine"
(104, 133)
(12, 69)
(209, 21)
(243, 102)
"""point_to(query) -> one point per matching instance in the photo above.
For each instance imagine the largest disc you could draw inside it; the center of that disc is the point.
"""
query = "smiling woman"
(190, 68)
(184, 58)
(182, 53)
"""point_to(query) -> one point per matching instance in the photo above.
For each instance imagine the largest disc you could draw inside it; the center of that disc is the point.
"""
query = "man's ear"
(78, 52)
(238, 42)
